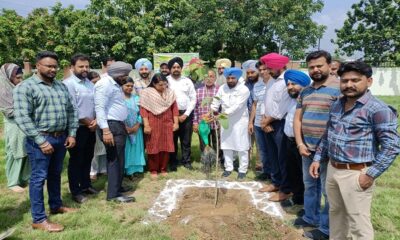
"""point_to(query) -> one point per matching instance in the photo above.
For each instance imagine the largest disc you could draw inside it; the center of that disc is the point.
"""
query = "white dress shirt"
(288, 129)
(185, 93)
(277, 98)
(109, 102)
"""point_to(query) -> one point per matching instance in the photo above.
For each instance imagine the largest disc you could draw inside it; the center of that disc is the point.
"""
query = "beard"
(144, 75)
(319, 77)
(231, 84)
(293, 94)
(176, 74)
(82, 75)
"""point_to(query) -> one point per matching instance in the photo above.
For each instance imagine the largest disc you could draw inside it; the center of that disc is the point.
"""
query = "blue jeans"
(313, 187)
(261, 140)
(45, 167)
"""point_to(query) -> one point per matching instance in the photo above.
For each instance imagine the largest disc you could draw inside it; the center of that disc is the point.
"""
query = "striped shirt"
(202, 93)
(365, 133)
(258, 95)
(315, 104)
(39, 107)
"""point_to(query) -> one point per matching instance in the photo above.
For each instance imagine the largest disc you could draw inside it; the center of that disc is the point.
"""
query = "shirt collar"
(37, 79)
(363, 99)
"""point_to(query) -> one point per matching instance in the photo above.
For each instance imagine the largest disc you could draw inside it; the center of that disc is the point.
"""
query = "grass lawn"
(99, 219)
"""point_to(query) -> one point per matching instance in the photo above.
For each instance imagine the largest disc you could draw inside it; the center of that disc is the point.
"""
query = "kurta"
(233, 102)
(161, 138)
(134, 147)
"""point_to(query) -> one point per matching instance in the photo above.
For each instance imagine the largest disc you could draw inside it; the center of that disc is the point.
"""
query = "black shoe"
(226, 174)
(287, 203)
(79, 198)
(263, 177)
(188, 166)
(316, 234)
(125, 189)
(241, 176)
(122, 199)
(300, 213)
(91, 191)
(300, 223)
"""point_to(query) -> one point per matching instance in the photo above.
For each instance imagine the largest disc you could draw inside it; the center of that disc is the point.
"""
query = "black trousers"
(80, 160)
(294, 168)
(212, 140)
(185, 137)
(115, 158)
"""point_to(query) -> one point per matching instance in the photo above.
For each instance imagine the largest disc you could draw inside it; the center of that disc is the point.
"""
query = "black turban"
(177, 60)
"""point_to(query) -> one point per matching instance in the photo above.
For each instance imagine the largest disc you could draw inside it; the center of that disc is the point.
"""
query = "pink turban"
(274, 60)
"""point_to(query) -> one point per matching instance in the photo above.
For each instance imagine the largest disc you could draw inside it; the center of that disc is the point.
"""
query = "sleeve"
(216, 102)
(23, 110)
(72, 115)
(100, 103)
(280, 102)
(385, 132)
(321, 152)
(240, 101)
(192, 97)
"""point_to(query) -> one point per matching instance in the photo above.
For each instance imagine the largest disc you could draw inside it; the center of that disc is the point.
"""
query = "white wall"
(386, 82)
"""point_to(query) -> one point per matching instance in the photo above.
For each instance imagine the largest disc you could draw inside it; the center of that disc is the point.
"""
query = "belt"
(53, 134)
(350, 166)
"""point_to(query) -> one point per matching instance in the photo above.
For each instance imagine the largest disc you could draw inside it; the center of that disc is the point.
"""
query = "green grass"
(99, 219)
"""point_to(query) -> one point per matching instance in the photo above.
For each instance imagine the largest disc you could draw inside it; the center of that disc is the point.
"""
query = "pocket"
(358, 186)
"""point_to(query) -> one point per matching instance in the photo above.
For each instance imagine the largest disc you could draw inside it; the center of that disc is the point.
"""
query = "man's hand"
(196, 128)
(314, 169)
(70, 142)
(175, 127)
(365, 181)
(268, 129)
(147, 129)
(303, 150)
(263, 122)
(108, 137)
(46, 148)
(182, 118)
(136, 128)
(92, 125)
(251, 128)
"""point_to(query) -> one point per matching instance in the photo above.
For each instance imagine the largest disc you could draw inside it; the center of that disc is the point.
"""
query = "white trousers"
(243, 160)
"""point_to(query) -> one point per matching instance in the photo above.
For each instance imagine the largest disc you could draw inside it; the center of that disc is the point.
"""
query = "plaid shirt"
(365, 133)
(39, 107)
(202, 93)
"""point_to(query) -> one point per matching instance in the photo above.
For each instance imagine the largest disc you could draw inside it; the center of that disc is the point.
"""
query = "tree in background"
(373, 28)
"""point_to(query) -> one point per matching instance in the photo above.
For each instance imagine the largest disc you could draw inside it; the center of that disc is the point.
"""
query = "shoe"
(241, 176)
(63, 210)
(125, 189)
(269, 188)
(79, 198)
(300, 213)
(91, 191)
(122, 199)
(280, 196)
(300, 223)
(226, 174)
(188, 166)
(17, 189)
(316, 234)
(48, 226)
(263, 177)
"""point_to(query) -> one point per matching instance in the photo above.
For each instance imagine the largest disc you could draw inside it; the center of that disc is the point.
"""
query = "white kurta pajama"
(233, 102)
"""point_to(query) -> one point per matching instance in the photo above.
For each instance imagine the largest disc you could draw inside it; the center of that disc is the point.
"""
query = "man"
(144, 67)
(111, 113)
(105, 63)
(276, 103)
(186, 100)
(309, 124)
(251, 70)
(232, 99)
(221, 64)
(361, 142)
(81, 90)
(208, 91)
(164, 70)
(257, 113)
(295, 81)
(44, 112)
(335, 65)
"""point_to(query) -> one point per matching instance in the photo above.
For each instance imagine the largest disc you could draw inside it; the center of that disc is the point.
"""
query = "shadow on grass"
(11, 215)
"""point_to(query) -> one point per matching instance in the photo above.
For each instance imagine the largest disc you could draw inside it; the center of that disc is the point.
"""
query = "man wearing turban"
(221, 64)
(276, 104)
(295, 81)
(232, 101)
(186, 100)
(144, 67)
(111, 113)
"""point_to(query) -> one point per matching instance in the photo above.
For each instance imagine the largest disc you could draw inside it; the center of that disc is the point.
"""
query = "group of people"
(326, 137)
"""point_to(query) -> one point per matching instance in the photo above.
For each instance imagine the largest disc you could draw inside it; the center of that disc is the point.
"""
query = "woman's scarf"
(156, 103)
(7, 72)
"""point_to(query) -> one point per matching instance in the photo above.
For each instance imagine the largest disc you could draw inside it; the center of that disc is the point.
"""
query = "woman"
(17, 165)
(160, 117)
(134, 147)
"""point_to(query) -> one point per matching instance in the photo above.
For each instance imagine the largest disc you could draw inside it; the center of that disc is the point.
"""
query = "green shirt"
(39, 107)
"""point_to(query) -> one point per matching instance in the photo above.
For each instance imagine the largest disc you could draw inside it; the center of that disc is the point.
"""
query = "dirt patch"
(233, 218)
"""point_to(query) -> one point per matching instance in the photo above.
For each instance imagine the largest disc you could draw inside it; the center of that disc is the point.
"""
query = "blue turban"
(250, 65)
(236, 72)
(143, 61)
(297, 77)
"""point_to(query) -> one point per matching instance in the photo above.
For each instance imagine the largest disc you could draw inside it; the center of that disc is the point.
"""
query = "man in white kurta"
(232, 100)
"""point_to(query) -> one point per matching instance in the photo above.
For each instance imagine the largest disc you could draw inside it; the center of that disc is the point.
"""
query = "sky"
(333, 14)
